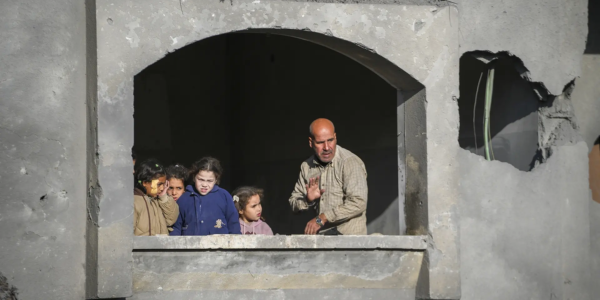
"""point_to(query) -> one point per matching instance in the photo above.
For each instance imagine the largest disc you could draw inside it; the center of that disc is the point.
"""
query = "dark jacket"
(213, 213)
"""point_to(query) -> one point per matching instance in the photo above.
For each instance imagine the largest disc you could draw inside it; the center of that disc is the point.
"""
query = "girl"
(154, 210)
(176, 176)
(247, 201)
(204, 207)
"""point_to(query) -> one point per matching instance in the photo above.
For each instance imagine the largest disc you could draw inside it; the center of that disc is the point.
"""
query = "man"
(333, 182)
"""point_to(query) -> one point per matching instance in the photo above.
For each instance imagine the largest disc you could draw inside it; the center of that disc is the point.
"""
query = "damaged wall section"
(513, 114)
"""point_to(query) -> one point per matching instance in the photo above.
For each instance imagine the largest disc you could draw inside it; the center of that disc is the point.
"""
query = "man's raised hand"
(312, 189)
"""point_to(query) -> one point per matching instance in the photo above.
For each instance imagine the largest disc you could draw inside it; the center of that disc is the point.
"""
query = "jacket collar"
(251, 224)
(138, 192)
(192, 189)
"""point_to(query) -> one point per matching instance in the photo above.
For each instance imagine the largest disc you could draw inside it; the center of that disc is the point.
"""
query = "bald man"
(333, 184)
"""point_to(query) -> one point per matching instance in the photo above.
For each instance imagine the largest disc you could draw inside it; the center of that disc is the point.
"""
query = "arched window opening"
(248, 99)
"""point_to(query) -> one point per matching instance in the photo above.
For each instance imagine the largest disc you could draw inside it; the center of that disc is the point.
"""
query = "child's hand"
(312, 189)
(164, 191)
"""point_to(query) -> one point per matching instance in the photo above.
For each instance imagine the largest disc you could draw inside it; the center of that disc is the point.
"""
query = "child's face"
(253, 210)
(205, 181)
(155, 186)
(176, 188)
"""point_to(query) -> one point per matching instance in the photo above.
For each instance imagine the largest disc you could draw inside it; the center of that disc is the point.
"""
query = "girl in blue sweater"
(205, 208)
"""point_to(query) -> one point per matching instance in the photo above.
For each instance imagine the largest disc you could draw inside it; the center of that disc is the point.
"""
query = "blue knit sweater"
(213, 213)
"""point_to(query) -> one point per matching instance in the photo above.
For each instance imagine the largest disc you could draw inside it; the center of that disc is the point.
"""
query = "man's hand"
(312, 227)
(312, 189)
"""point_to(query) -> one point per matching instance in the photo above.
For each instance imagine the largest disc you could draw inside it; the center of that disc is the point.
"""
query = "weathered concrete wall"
(43, 148)
(427, 51)
(42, 128)
(586, 99)
(548, 35)
(523, 234)
(586, 102)
(379, 267)
(519, 230)
(386, 273)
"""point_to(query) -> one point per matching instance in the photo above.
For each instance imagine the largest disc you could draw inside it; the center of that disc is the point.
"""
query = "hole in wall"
(513, 123)
(248, 99)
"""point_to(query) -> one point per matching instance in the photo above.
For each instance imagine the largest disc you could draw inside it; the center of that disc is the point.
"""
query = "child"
(247, 201)
(176, 176)
(154, 210)
(204, 207)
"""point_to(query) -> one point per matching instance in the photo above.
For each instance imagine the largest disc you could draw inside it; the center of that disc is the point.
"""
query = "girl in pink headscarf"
(247, 201)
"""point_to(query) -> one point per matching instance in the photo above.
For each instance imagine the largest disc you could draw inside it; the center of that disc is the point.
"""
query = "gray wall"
(43, 152)
(276, 274)
(586, 102)
(507, 246)
(518, 229)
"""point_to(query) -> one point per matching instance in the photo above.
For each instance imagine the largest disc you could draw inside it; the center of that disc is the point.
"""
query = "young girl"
(247, 201)
(154, 210)
(204, 207)
(176, 176)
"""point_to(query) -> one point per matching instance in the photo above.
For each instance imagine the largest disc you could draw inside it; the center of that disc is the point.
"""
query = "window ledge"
(314, 242)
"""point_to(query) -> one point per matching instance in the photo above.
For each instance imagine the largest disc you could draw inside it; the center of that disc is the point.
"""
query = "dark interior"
(513, 113)
(248, 99)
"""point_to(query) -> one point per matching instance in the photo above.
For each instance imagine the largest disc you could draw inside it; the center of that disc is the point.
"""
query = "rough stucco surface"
(163, 272)
(281, 242)
(595, 243)
(586, 99)
(42, 149)
(549, 36)
(275, 294)
(525, 235)
(421, 40)
(511, 248)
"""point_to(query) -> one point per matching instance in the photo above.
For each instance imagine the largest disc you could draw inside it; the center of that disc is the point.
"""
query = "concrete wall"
(586, 102)
(277, 267)
(432, 194)
(43, 148)
(518, 230)
(522, 234)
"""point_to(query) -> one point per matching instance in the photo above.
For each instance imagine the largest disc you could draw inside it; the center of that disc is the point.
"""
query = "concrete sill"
(284, 242)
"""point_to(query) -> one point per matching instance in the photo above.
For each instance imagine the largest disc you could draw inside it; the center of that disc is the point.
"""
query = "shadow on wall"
(248, 99)
(594, 161)
(513, 113)
(593, 40)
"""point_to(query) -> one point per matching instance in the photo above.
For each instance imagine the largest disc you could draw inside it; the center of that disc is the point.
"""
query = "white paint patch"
(132, 36)
(437, 71)
(380, 32)
(382, 14)
(174, 40)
